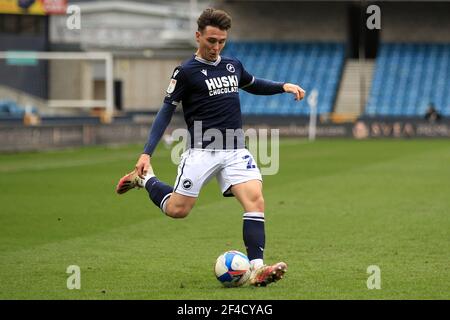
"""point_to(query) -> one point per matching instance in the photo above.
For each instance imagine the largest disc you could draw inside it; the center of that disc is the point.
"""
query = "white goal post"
(107, 57)
(312, 102)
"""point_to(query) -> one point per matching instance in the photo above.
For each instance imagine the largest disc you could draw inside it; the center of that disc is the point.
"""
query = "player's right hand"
(142, 165)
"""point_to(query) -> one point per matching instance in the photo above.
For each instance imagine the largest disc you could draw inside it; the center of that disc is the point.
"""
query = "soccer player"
(207, 85)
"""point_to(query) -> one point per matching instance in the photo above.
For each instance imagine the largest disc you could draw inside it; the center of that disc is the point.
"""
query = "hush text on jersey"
(220, 85)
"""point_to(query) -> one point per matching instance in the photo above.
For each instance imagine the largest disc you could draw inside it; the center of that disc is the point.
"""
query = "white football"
(232, 268)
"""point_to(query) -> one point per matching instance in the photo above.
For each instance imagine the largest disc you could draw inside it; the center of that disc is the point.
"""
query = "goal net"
(58, 82)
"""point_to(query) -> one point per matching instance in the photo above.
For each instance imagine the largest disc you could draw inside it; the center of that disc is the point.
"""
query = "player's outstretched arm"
(295, 90)
(268, 87)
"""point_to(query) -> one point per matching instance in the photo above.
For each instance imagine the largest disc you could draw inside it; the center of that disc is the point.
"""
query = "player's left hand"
(143, 165)
(294, 89)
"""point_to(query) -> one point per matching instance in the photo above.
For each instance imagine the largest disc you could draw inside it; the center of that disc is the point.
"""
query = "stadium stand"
(314, 65)
(408, 77)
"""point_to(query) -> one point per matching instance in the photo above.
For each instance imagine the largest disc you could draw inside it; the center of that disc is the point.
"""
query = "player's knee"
(257, 203)
(181, 213)
(178, 212)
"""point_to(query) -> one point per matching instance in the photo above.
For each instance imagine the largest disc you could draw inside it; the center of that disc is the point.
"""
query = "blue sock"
(158, 191)
(254, 235)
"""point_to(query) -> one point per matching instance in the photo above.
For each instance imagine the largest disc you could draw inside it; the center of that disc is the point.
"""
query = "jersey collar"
(215, 63)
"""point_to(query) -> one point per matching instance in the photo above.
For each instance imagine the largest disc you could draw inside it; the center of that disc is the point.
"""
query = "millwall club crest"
(230, 68)
(187, 184)
(204, 72)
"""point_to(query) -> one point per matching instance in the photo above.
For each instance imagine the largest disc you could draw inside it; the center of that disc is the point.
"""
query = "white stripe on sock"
(162, 205)
(147, 177)
(254, 219)
(256, 263)
(254, 214)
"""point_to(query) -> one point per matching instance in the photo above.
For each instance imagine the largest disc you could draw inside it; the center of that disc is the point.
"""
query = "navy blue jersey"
(209, 92)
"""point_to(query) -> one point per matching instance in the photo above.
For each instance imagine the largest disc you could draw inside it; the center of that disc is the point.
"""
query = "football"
(232, 268)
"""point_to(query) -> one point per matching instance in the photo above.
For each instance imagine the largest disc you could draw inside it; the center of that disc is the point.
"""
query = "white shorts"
(230, 167)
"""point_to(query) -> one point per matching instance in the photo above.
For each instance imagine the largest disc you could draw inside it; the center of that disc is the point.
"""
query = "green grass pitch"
(335, 208)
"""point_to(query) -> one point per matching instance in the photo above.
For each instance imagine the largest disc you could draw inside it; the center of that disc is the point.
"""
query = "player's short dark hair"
(214, 17)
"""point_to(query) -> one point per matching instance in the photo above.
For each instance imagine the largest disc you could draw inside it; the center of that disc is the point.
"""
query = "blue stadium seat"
(409, 76)
(313, 65)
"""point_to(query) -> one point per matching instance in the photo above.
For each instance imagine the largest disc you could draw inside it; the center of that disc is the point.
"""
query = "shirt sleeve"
(246, 78)
(160, 124)
(177, 87)
(258, 86)
(264, 87)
